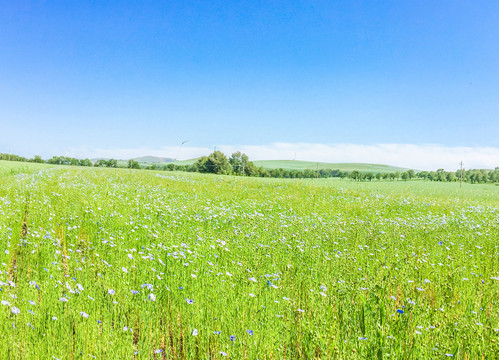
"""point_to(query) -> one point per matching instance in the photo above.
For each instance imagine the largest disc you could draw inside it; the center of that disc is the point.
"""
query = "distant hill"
(302, 165)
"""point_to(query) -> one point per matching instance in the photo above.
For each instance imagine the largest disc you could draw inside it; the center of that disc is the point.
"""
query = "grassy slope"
(16, 167)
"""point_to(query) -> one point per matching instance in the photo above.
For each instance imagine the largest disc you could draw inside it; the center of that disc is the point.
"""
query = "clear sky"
(131, 78)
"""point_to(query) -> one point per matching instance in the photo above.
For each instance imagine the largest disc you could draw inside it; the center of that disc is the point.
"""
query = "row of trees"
(239, 164)
(61, 160)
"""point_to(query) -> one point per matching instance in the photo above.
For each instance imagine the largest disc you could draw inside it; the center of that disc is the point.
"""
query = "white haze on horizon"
(421, 157)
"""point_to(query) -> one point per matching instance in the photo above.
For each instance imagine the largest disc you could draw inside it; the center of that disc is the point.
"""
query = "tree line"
(238, 164)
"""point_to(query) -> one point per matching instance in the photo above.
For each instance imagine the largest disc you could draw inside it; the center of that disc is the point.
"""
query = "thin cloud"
(424, 157)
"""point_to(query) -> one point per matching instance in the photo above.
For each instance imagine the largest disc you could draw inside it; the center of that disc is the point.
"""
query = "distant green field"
(15, 167)
(303, 165)
(185, 162)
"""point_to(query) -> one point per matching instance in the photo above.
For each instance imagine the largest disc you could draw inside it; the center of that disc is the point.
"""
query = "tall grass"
(118, 264)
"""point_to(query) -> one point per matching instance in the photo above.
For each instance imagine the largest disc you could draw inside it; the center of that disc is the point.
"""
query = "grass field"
(114, 264)
(8, 168)
(303, 165)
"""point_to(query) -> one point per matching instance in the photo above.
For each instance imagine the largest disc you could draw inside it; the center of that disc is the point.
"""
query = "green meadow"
(132, 264)
(10, 168)
(304, 165)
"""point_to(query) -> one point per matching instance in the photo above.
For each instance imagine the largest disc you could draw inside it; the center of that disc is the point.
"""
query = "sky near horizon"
(407, 83)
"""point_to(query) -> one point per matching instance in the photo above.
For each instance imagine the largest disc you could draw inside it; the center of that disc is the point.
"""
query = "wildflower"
(232, 337)
(300, 310)
(250, 332)
(124, 270)
(400, 311)
(84, 314)
(125, 328)
(189, 301)
(149, 286)
(32, 302)
(152, 297)
(54, 318)
(15, 310)
(5, 303)
(217, 332)
(111, 292)
(252, 279)
(223, 353)
(134, 292)
(193, 276)
(195, 332)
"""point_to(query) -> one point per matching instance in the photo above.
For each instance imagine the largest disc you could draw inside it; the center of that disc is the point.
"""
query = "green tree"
(38, 159)
(238, 162)
(215, 163)
(132, 164)
(112, 163)
(202, 165)
(219, 163)
(85, 162)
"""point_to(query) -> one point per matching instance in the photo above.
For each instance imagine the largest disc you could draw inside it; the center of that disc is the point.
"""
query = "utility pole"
(461, 175)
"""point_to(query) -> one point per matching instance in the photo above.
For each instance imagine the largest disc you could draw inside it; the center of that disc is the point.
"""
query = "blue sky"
(133, 78)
